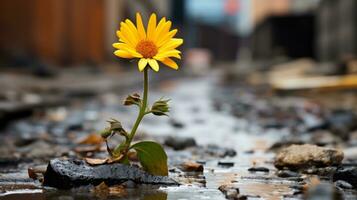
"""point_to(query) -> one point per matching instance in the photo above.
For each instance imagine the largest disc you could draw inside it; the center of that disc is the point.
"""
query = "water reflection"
(78, 194)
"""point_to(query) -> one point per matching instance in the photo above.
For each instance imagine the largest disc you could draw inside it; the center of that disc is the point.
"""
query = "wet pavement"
(232, 129)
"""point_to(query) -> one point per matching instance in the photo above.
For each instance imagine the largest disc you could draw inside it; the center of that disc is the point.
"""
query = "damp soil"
(233, 129)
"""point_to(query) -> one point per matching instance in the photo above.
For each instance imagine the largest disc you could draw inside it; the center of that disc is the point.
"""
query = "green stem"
(143, 106)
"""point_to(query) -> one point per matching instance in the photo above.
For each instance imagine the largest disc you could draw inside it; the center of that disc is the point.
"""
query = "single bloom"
(156, 43)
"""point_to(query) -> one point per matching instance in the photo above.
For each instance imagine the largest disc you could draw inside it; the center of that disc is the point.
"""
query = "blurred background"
(256, 75)
(51, 48)
(68, 33)
(66, 45)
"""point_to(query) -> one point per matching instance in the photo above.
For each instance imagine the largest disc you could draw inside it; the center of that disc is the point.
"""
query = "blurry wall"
(337, 30)
(66, 31)
(59, 31)
(262, 9)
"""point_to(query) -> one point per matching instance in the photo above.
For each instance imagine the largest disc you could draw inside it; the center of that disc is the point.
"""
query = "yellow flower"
(157, 43)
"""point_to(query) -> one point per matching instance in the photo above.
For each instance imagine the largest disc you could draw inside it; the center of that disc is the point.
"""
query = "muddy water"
(192, 108)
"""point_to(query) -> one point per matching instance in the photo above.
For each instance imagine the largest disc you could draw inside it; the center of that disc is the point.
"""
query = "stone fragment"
(66, 174)
(191, 167)
(348, 174)
(180, 143)
(306, 156)
(258, 169)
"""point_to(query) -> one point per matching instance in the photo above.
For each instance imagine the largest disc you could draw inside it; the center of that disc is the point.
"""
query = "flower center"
(146, 48)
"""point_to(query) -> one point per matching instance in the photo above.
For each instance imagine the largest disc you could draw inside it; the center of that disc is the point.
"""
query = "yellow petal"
(169, 62)
(142, 64)
(166, 38)
(159, 28)
(172, 44)
(132, 28)
(123, 38)
(165, 30)
(123, 54)
(129, 34)
(140, 26)
(154, 65)
(166, 54)
(128, 48)
(151, 27)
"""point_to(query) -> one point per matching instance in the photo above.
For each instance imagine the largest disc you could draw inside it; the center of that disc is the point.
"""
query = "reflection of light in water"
(191, 104)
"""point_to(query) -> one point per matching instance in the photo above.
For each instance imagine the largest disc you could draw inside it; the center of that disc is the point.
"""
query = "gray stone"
(66, 174)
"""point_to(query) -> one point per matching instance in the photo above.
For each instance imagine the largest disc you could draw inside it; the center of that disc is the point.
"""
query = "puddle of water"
(192, 106)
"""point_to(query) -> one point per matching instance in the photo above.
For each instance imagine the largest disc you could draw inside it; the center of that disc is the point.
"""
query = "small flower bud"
(115, 125)
(133, 99)
(160, 107)
(105, 133)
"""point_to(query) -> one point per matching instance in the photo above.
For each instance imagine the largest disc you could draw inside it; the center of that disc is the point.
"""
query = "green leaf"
(125, 160)
(152, 157)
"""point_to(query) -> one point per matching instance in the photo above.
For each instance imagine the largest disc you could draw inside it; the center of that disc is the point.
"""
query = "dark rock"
(258, 169)
(249, 151)
(343, 185)
(323, 191)
(287, 174)
(177, 124)
(342, 122)
(180, 143)
(321, 171)
(66, 174)
(215, 150)
(225, 164)
(348, 174)
(306, 156)
(229, 191)
(202, 162)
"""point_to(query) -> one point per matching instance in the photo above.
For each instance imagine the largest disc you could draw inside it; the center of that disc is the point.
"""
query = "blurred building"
(82, 31)
(65, 31)
(337, 30)
(284, 28)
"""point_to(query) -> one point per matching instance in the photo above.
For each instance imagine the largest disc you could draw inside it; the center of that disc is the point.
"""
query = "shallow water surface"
(193, 107)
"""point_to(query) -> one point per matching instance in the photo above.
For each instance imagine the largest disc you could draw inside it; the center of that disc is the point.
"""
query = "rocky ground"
(224, 139)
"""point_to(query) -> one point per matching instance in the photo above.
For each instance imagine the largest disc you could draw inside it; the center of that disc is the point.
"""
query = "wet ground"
(237, 129)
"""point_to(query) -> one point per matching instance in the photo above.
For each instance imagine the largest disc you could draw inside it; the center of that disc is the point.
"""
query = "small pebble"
(191, 167)
(343, 185)
(287, 174)
(258, 169)
(225, 164)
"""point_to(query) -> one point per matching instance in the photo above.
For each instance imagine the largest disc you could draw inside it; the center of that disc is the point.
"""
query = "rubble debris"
(306, 156)
(258, 169)
(66, 174)
(231, 192)
(342, 122)
(225, 164)
(287, 174)
(348, 174)
(343, 185)
(176, 124)
(191, 167)
(180, 143)
(219, 151)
